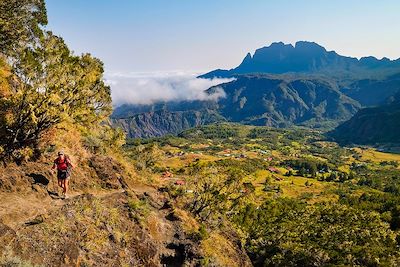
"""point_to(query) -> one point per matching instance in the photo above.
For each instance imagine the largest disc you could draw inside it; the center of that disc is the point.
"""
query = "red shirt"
(62, 164)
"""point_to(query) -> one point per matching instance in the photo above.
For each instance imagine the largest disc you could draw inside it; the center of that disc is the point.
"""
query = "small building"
(180, 182)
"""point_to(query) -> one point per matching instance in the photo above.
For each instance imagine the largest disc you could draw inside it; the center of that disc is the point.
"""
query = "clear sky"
(201, 35)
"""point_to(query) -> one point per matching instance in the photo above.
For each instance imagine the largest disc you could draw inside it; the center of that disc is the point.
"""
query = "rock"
(173, 217)
(167, 205)
(108, 171)
(37, 220)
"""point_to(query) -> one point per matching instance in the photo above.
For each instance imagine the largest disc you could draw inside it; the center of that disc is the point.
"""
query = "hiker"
(63, 165)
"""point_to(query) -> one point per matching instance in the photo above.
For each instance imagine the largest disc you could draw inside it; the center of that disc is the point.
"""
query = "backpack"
(67, 161)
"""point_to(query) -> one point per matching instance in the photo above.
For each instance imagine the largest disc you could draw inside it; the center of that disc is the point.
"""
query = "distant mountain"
(163, 122)
(306, 57)
(277, 101)
(280, 85)
(373, 92)
(130, 110)
(250, 99)
(372, 125)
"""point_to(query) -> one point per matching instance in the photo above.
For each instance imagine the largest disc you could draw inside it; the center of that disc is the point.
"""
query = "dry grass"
(189, 224)
(9, 259)
(156, 227)
(67, 138)
(376, 156)
(219, 251)
(293, 186)
(177, 162)
(296, 187)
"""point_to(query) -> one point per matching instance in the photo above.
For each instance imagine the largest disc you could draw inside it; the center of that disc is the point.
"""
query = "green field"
(260, 178)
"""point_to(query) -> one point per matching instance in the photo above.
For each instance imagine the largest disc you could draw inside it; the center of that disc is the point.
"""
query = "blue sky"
(194, 35)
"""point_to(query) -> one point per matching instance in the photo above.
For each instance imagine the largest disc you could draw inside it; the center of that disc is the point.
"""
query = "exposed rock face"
(164, 122)
(109, 172)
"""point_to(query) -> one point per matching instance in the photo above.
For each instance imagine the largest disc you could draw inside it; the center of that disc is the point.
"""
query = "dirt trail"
(18, 208)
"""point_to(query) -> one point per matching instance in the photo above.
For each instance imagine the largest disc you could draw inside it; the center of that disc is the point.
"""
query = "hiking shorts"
(63, 175)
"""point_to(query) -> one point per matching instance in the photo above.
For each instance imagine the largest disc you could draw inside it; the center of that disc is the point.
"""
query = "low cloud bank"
(149, 88)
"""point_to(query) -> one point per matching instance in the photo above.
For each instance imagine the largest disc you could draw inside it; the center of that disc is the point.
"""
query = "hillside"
(116, 211)
(263, 100)
(241, 183)
(372, 92)
(295, 198)
(279, 102)
(375, 125)
(163, 122)
(114, 215)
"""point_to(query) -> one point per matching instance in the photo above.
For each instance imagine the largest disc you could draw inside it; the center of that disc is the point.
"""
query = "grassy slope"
(114, 216)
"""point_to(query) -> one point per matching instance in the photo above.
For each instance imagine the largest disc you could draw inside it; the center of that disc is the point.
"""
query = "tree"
(286, 232)
(313, 170)
(20, 22)
(52, 86)
(302, 172)
(332, 177)
(217, 191)
(289, 173)
(145, 157)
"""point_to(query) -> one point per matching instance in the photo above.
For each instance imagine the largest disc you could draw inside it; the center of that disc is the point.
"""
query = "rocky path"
(18, 208)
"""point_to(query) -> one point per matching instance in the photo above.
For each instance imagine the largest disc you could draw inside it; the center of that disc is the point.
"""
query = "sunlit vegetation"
(295, 198)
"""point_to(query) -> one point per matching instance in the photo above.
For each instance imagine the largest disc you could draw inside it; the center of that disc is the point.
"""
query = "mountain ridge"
(282, 102)
(375, 125)
(303, 57)
(279, 85)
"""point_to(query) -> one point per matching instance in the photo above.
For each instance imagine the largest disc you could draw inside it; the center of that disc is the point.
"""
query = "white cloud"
(148, 88)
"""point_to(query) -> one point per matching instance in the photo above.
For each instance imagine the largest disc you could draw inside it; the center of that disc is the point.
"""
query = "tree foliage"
(48, 84)
(53, 86)
(217, 191)
(20, 22)
(145, 156)
(288, 233)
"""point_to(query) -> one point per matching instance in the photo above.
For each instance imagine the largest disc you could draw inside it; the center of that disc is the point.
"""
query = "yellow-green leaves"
(55, 86)
(20, 22)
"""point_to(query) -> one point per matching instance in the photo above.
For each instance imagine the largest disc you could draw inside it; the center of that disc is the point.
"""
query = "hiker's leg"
(66, 181)
(59, 182)
(64, 187)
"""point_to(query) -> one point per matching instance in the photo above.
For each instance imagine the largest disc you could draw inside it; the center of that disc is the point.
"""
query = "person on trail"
(63, 165)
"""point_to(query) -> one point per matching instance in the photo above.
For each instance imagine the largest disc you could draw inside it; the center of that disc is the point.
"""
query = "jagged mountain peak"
(306, 57)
